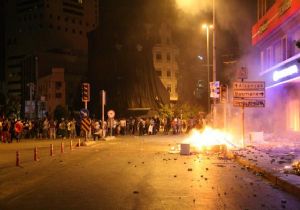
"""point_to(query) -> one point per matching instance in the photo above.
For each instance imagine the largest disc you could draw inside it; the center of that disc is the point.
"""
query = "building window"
(158, 73)
(58, 85)
(168, 73)
(169, 88)
(168, 57)
(262, 62)
(277, 52)
(58, 95)
(158, 56)
(269, 57)
(284, 48)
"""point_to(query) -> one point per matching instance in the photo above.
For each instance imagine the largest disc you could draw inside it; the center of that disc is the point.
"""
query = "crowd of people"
(16, 129)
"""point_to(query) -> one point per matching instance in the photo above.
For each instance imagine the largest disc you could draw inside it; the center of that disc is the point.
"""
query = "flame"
(209, 138)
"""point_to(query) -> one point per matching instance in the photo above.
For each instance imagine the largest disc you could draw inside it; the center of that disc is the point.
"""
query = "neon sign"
(277, 75)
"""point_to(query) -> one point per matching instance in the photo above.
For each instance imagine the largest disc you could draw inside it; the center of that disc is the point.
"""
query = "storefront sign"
(278, 75)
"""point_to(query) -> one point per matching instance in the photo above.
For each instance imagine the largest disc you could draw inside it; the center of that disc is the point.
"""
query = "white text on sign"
(249, 93)
(249, 85)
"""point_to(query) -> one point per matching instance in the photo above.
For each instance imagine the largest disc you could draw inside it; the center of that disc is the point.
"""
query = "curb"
(269, 175)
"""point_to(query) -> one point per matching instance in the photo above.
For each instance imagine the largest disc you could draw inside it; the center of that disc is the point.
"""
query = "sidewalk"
(271, 162)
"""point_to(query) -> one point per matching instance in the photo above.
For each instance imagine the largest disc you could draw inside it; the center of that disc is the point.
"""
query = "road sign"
(259, 103)
(84, 113)
(253, 85)
(111, 114)
(86, 124)
(249, 93)
(214, 89)
(242, 73)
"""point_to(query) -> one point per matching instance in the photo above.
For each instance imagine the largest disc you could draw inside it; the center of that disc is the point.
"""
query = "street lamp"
(207, 27)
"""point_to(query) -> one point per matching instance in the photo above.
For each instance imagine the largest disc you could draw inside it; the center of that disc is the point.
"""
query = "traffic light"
(85, 92)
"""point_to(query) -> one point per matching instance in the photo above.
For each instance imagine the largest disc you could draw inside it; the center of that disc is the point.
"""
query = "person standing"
(18, 130)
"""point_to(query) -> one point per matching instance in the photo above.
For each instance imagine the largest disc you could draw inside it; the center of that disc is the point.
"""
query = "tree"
(60, 112)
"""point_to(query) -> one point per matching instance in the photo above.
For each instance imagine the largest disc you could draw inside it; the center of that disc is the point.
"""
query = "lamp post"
(207, 27)
(214, 59)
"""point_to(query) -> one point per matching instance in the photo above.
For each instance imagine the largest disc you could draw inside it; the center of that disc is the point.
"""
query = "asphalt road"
(131, 173)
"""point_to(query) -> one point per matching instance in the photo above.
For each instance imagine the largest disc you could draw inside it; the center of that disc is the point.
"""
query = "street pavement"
(130, 173)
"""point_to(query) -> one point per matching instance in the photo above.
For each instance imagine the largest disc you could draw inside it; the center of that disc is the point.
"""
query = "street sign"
(214, 89)
(249, 93)
(84, 113)
(86, 124)
(259, 103)
(111, 114)
(253, 85)
(242, 73)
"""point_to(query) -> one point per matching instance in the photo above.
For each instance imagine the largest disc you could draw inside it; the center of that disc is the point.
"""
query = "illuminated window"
(293, 115)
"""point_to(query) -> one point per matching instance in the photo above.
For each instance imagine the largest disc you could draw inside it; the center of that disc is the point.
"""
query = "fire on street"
(133, 173)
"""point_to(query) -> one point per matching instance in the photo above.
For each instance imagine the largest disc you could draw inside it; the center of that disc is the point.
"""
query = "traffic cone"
(35, 156)
(62, 147)
(51, 149)
(17, 158)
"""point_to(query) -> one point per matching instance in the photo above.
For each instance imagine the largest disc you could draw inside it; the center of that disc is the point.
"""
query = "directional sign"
(249, 102)
(253, 85)
(86, 124)
(84, 113)
(249, 93)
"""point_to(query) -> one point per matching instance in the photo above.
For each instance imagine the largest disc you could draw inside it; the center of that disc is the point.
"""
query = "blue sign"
(84, 113)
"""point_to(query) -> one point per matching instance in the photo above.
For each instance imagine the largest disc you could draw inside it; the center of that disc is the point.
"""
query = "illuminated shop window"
(293, 115)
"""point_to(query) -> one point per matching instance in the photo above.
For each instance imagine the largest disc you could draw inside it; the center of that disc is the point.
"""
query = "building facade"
(276, 37)
(54, 29)
(165, 61)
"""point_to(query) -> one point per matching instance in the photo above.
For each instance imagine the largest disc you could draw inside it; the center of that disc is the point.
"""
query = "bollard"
(62, 147)
(71, 145)
(78, 142)
(35, 155)
(51, 149)
(17, 158)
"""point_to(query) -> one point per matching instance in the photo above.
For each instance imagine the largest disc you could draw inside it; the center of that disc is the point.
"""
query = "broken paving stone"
(184, 163)
(190, 169)
(194, 200)
(220, 165)
(206, 169)
(205, 179)
(136, 192)
(129, 162)
(175, 176)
